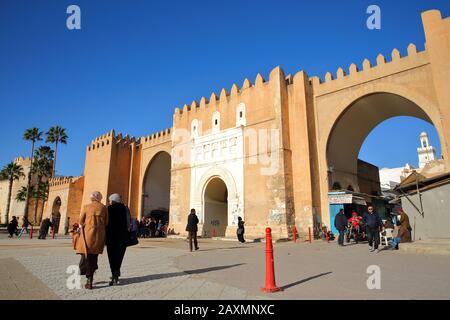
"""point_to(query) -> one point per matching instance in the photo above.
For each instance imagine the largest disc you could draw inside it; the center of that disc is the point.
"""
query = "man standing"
(373, 224)
(66, 226)
(340, 223)
(192, 229)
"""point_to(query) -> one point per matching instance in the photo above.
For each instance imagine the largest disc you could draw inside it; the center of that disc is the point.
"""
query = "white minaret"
(426, 152)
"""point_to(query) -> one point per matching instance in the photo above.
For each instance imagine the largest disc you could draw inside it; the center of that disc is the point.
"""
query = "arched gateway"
(271, 150)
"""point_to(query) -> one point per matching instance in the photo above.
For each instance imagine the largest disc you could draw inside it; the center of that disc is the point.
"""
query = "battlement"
(22, 160)
(411, 60)
(60, 181)
(225, 96)
(110, 138)
(156, 138)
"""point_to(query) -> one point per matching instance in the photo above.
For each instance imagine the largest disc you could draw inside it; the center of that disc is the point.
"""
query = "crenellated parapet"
(381, 67)
(22, 160)
(224, 96)
(61, 181)
(110, 138)
(156, 138)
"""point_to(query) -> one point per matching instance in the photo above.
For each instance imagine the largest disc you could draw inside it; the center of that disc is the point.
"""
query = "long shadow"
(127, 281)
(305, 280)
(226, 248)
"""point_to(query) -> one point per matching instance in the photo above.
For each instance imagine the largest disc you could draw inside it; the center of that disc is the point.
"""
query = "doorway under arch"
(56, 214)
(215, 208)
(156, 188)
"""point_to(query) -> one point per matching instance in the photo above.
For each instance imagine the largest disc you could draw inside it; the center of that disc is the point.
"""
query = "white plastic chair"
(388, 236)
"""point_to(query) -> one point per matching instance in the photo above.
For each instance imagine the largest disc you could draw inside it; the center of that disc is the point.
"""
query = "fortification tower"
(108, 166)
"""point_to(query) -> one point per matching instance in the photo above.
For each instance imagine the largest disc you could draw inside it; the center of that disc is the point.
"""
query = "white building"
(390, 177)
(426, 152)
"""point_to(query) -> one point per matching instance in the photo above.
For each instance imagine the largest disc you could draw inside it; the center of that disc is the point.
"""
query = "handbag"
(132, 239)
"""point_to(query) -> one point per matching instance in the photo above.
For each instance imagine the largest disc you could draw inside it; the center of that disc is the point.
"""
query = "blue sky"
(133, 62)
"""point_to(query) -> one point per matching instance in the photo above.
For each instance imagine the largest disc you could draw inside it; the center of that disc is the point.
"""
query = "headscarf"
(96, 196)
(115, 197)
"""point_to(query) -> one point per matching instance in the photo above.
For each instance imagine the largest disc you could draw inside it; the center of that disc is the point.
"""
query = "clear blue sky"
(133, 62)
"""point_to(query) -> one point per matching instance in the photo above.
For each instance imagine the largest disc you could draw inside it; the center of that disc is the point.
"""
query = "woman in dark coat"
(240, 230)
(12, 227)
(116, 236)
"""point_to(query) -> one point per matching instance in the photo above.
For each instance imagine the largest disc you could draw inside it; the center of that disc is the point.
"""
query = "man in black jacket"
(192, 229)
(373, 224)
(340, 223)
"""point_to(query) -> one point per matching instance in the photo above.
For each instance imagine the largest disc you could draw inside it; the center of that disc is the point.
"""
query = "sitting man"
(404, 230)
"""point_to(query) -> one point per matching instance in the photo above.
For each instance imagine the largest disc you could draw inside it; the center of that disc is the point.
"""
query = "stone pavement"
(148, 273)
(164, 269)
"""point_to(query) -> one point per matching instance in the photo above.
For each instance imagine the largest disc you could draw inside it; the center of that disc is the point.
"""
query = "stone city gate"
(320, 124)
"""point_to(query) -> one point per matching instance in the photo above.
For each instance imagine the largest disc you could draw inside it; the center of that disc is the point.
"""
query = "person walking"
(192, 228)
(373, 224)
(66, 226)
(116, 236)
(340, 223)
(46, 224)
(12, 227)
(152, 227)
(404, 230)
(240, 230)
(25, 226)
(93, 221)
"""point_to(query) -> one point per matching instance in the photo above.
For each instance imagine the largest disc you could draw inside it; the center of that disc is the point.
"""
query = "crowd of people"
(150, 227)
(371, 227)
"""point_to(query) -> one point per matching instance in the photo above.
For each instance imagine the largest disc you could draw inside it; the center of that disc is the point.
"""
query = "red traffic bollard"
(270, 270)
(214, 233)
(295, 234)
(53, 233)
(327, 235)
(309, 234)
(31, 232)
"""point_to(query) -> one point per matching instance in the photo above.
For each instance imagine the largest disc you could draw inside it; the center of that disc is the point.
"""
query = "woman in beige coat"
(93, 222)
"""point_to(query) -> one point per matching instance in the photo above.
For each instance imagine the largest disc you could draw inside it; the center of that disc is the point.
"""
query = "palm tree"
(22, 194)
(56, 135)
(11, 172)
(33, 135)
(42, 168)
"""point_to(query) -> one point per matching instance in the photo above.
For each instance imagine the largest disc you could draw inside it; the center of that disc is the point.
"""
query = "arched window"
(216, 122)
(194, 128)
(240, 115)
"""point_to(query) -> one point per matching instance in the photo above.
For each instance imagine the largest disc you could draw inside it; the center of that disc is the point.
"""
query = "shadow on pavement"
(226, 248)
(305, 280)
(127, 281)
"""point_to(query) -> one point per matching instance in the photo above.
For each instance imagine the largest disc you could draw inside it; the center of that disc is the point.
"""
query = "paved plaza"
(164, 269)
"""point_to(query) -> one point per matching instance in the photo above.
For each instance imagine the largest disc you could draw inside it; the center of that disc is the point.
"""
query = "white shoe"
(371, 249)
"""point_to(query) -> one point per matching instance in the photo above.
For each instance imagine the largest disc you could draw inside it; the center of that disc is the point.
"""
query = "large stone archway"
(351, 121)
(156, 184)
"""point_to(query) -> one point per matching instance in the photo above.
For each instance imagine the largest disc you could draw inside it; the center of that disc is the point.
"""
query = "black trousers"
(88, 264)
(373, 235)
(193, 236)
(115, 257)
(240, 237)
(341, 237)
